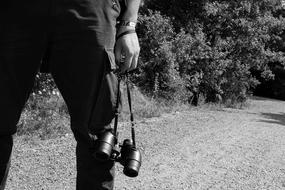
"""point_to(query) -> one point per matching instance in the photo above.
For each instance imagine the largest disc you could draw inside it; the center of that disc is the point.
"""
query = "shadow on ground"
(274, 118)
(259, 98)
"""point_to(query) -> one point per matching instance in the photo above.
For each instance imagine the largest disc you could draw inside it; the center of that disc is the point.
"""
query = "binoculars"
(106, 148)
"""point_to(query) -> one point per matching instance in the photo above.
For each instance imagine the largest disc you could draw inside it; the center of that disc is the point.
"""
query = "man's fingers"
(134, 62)
(127, 63)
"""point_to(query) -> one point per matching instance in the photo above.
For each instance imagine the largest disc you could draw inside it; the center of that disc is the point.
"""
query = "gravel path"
(196, 149)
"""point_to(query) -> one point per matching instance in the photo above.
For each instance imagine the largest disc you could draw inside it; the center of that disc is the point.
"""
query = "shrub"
(159, 72)
(44, 85)
(44, 117)
(218, 43)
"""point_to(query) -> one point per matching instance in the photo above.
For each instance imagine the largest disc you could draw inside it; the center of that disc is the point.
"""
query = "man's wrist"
(129, 17)
(123, 26)
(124, 29)
(125, 33)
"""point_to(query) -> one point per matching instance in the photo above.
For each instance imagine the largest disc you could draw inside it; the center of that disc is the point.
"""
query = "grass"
(46, 117)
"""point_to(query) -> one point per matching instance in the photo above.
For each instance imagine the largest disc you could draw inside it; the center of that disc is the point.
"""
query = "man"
(78, 37)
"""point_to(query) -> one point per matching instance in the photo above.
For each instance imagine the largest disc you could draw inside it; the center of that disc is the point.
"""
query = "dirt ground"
(201, 148)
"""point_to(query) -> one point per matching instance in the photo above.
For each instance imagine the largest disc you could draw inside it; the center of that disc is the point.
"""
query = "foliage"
(159, 75)
(44, 117)
(218, 43)
(44, 85)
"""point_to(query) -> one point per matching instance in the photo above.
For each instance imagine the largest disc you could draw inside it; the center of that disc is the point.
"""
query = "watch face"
(133, 24)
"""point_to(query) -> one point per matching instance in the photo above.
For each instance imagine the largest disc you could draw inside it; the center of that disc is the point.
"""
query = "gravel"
(199, 148)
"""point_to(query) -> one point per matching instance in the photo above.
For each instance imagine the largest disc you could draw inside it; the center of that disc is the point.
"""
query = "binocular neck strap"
(117, 108)
(131, 111)
(130, 107)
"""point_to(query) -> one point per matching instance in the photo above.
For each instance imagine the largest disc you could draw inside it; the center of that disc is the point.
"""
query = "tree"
(219, 43)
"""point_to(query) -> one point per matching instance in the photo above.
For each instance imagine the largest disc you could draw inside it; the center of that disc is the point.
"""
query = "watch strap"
(125, 33)
(127, 23)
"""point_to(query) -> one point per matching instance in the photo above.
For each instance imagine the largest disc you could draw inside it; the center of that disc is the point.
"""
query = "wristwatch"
(126, 23)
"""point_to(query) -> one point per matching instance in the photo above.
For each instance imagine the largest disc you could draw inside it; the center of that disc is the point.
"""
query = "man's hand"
(127, 52)
(127, 46)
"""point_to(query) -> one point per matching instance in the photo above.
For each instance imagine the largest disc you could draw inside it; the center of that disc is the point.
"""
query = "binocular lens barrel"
(104, 146)
(132, 168)
(132, 163)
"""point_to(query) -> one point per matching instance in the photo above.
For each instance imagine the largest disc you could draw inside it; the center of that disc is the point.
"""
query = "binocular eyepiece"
(127, 154)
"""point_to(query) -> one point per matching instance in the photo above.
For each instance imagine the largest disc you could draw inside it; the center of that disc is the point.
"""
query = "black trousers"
(77, 39)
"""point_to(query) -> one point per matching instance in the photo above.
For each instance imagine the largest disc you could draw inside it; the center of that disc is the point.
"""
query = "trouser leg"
(12, 100)
(92, 174)
(21, 49)
(6, 144)
(16, 82)
(82, 60)
(5, 169)
(89, 89)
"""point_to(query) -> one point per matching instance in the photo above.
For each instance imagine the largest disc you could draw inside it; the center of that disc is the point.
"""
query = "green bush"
(44, 85)
(159, 72)
(44, 117)
(217, 43)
